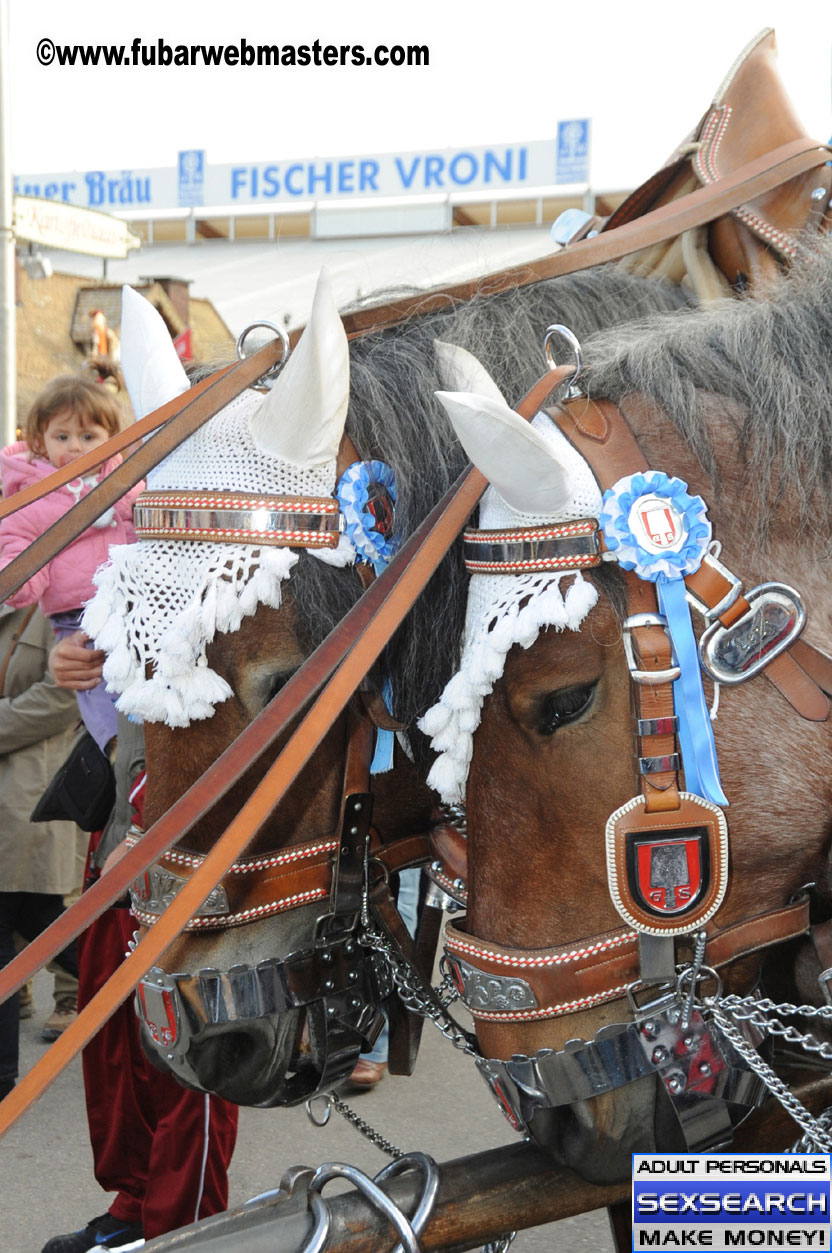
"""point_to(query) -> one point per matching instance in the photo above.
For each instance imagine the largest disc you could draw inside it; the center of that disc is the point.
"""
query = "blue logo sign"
(573, 151)
(191, 169)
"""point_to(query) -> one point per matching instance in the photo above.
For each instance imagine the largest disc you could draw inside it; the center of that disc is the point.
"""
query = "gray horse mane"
(394, 417)
(769, 358)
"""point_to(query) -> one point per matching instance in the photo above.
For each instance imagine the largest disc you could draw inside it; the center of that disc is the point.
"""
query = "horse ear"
(518, 462)
(460, 371)
(153, 373)
(302, 418)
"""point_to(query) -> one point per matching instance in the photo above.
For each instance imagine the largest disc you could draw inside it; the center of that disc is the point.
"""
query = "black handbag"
(83, 791)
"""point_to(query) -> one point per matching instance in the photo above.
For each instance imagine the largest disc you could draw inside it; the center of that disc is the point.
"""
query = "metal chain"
(765, 1014)
(501, 1245)
(806, 1144)
(375, 1137)
(812, 1127)
(413, 993)
(331, 1101)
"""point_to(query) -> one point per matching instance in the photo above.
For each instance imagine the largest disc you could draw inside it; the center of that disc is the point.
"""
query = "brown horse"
(735, 401)
(201, 633)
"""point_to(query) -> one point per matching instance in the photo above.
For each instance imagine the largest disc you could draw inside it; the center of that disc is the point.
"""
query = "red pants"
(163, 1148)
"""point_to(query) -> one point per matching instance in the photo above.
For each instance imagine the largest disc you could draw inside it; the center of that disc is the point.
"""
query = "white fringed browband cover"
(504, 610)
(159, 603)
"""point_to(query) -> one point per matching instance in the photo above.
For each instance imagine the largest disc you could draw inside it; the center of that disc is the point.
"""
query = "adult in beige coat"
(38, 861)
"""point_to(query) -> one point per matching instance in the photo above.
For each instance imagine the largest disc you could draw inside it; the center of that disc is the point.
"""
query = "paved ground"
(46, 1181)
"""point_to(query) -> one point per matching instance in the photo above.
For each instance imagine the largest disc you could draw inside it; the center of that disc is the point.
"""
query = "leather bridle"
(337, 983)
(502, 984)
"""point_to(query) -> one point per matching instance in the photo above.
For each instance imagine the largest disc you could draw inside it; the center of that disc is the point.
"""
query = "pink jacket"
(66, 582)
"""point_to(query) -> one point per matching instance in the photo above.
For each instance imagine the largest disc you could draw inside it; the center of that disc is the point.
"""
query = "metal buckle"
(659, 765)
(774, 620)
(716, 611)
(649, 678)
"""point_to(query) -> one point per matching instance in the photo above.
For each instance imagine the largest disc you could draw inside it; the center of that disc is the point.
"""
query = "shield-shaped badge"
(667, 871)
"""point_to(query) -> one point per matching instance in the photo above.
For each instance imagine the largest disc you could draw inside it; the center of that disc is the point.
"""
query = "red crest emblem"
(659, 524)
(158, 1013)
(669, 871)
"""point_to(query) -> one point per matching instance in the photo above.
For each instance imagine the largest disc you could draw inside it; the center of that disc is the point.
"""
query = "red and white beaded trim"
(768, 233)
(562, 530)
(544, 960)
(289, 539)
(551, 1011)
(705, 163)
(705, 160)
(448, 885)
(302, 853)
(203, 922)
(276, 504)
(531, 565)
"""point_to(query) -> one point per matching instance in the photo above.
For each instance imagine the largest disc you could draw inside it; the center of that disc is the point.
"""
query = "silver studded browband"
(239, 518)
(528, 549)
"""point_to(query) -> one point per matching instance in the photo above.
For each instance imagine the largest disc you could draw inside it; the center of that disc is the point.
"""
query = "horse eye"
(276, 682)
(558, 709)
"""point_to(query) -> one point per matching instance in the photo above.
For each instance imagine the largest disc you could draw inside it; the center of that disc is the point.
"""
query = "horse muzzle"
(666, 1082)
(226, 1031)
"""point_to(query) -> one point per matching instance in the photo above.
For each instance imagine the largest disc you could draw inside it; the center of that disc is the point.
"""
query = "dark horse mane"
(394, 417)
(768, 360)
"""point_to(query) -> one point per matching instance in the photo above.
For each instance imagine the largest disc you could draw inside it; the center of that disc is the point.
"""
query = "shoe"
(366, 1074)
(62, 1016)
(104, 1232)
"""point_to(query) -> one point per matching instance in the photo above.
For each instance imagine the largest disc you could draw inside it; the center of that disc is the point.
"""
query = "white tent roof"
(250, 280)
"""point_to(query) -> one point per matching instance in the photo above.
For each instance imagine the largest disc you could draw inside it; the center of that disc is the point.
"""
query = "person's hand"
(73, 665)
(114, 856)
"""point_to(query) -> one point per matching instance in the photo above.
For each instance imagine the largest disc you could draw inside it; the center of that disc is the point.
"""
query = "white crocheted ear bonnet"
(536, 467)
(160, 602)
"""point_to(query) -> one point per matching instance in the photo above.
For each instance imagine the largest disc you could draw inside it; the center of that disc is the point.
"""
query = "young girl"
(69, 418)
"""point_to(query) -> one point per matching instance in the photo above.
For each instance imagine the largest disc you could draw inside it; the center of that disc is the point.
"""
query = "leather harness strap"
(601, 434)
(572, 977)
(697, 208)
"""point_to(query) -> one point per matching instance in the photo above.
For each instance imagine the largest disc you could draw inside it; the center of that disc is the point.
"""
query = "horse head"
(593, 871)
(200, 622)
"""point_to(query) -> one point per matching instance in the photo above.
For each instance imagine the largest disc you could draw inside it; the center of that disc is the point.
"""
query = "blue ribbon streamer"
(696, 737)
(385, 740)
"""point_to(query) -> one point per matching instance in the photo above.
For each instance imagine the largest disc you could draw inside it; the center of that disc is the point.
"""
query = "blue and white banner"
(193, 181)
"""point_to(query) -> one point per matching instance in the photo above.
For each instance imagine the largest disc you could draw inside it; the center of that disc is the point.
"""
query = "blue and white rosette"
(361, 488)
(654, 527)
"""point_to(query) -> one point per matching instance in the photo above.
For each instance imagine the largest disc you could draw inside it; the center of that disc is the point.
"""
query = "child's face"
(69, 435)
